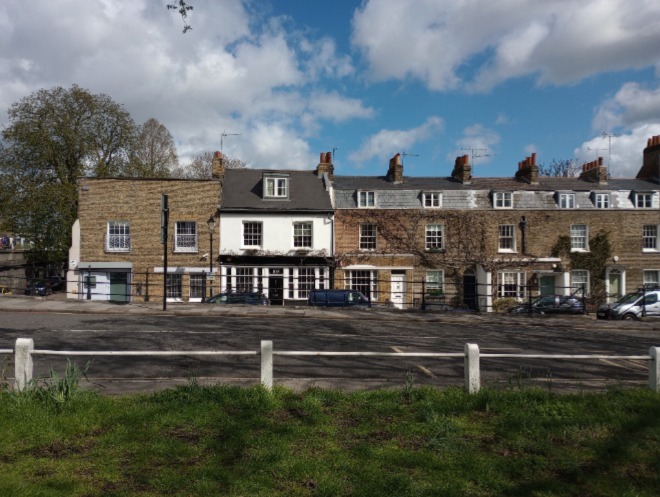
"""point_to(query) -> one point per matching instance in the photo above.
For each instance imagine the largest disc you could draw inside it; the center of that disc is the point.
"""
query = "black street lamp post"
(211, 225)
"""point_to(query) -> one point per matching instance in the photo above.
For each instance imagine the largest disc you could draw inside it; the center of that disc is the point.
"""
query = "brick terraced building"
(397, 239)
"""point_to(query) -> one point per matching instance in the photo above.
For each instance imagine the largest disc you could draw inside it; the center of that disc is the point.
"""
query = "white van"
(635, 305)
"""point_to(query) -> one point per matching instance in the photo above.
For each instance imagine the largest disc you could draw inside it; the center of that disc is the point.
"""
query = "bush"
(504, 304)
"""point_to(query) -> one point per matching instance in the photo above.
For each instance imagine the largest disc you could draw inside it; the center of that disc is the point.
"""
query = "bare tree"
(566, 168)
(200, 166)
(182, 8)
(154, 152)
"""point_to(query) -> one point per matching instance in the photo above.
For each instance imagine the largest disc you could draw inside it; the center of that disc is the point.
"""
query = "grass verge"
(207, 441)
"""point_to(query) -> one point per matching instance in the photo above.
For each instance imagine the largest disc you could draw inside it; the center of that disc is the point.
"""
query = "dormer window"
(503, 200)
(431, 200)
(366, 199)
(643, 200)
(276, 186)
(566, 200)
(601, 200)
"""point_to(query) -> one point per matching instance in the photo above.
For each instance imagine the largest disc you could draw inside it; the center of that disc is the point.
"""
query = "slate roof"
(489, 184)
(242, 190)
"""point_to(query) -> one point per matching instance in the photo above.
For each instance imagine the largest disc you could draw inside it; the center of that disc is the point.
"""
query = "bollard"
(654, 369)
(472, 374)
(267, 364)
(23, 363)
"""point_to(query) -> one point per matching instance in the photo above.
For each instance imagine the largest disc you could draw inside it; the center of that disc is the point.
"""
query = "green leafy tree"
(53, 137)
(154, 153)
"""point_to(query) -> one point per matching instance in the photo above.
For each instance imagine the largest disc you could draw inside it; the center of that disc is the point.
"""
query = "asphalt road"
(519, 334)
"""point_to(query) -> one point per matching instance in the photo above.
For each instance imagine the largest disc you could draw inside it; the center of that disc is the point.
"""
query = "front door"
(398, 289)
(276, 286)
(547, 285)
(470, 289)
(119, 287)
(614, 281)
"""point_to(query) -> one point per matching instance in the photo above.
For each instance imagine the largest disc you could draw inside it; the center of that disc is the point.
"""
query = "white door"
(398, 289)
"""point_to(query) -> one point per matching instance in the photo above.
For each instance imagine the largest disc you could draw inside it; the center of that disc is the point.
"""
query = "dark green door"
(119, 287)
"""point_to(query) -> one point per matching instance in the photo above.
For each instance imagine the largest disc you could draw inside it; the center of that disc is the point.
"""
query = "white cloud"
(631, 106)
(388, 142)
(481, 43)
(237, 70)
(627, 149)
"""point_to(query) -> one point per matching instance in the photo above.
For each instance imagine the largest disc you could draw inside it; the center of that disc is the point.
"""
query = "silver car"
(632, 306)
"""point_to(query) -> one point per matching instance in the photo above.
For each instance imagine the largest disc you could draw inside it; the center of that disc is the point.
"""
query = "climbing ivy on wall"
(594, 261)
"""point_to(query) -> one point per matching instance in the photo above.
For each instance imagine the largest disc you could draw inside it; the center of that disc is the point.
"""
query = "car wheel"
(630, 317)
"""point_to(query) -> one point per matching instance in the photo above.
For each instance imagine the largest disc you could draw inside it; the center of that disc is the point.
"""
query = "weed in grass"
(408, 385)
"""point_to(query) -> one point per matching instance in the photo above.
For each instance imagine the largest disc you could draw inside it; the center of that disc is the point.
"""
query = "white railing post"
(267, 364)
(654, 369)
(472, 373)
(23, 363)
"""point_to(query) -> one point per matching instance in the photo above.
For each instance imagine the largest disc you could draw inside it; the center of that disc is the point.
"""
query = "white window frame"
(650, 238)
(185, 237)
(196, 287)
(511, 284)
(651, 277)
(645, 199)
(300, 239)
(434, 237)
(506, 233)
(503, 200)
(432, 200)
(366, 199)
(368, 238)
(579, 238)
(361, 279)
(276, 187)
(602, 200)
(566, 201)
(259, 234)
(174, 287)
(118, 236)
(435, 281)
(580, 277)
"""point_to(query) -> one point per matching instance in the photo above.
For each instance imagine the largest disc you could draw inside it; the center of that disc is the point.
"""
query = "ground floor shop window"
(298, 281)
(173, 286)
(197, 286)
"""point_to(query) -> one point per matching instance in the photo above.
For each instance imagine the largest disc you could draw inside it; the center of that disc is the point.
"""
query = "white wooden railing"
(24, 352)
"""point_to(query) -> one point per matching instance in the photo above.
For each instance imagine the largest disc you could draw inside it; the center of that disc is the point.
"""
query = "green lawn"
(201, 441)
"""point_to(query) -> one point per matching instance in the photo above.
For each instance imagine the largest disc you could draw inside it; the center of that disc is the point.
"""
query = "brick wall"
(138, 201)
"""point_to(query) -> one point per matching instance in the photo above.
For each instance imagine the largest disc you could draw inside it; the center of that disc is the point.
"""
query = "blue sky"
(286, 80)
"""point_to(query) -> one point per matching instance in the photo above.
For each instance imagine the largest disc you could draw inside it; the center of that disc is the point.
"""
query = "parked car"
(337, 298)
(632, 306)
(56, 283)
(5, 290)
(249, 298)
(37, 287)
(551, 304)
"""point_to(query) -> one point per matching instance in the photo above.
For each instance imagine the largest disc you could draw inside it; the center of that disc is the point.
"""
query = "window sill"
(117, 251)
(185, 251)
(507, 251)
(435, 250)
(650, 251)
(579, 251)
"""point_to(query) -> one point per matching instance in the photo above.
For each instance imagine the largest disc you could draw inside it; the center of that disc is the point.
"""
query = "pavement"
(58, 303)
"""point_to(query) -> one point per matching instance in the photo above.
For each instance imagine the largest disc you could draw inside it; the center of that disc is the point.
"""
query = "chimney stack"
(218, 166)
(462, 170)
(325, 165)
(395, 171)
(594, 172)
(650, 169)
(528, 170)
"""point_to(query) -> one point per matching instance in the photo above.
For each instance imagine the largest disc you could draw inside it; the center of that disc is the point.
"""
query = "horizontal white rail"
(24, 352)
(142, 352)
